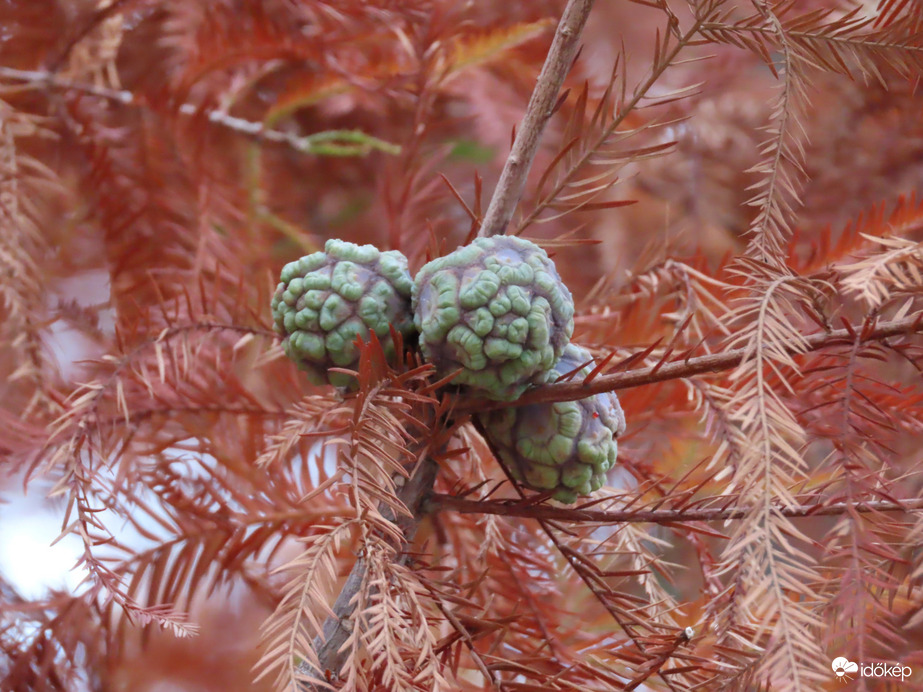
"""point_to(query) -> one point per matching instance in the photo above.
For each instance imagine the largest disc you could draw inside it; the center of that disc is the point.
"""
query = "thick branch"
(540, 109)
(330, 652)
(688, 367)
(528, 509)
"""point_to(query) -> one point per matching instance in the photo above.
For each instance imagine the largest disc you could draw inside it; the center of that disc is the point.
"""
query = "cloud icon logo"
(841, 666)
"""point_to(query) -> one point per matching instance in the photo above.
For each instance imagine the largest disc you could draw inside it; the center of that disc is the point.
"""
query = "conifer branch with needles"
(586, 145)
(527, 509)
(688, 366)
(330, 648)
(758, 308)
(542, 106)
(766, 551)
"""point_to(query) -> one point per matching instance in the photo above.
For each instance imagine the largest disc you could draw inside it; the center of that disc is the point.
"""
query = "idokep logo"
(844, 669)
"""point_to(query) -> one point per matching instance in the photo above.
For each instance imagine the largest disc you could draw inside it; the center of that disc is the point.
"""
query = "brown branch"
(663, 653)
(331, 654)
(689, 367)
(330, 651)
(540, 109)
(544, 512)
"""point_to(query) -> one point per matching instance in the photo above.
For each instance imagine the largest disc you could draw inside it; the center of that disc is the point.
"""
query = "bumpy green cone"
(498, 310)
(566, 446)
(326, 299)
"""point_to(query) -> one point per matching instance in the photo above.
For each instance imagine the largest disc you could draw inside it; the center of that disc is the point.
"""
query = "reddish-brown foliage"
(732, 194)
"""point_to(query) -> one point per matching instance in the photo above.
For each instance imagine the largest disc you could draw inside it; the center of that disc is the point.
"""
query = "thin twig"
(540, 109)
(689, 367)
(528, 509)
(327, 143)
(464, 634)
(664, 651)
(625, 620)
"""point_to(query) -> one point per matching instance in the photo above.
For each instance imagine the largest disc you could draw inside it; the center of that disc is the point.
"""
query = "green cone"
(566, 447)
(326, 299)
(497, 310)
